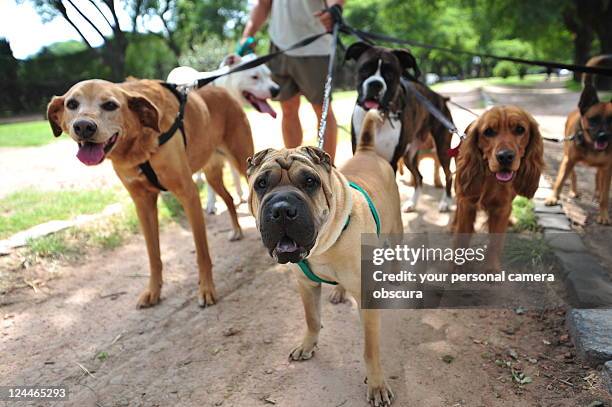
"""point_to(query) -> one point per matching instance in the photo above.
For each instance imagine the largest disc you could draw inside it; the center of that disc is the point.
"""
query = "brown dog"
(123, 122)
(588, 139)
(501, 157)
(305, 209)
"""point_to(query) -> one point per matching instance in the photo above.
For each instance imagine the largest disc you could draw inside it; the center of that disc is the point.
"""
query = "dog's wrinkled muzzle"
(287, 227)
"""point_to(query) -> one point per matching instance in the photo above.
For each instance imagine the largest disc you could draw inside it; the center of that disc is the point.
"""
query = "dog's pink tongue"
(91, 153)
(504, 176)
(286, 245)
(264, 107)
(371, 104)
(601, 145)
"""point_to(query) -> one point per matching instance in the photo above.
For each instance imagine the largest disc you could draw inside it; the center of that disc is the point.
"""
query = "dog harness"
(303, 264)
(146, 167)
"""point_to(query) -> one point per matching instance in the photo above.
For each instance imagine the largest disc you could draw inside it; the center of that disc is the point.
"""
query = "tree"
(115, 43)
(9, 67)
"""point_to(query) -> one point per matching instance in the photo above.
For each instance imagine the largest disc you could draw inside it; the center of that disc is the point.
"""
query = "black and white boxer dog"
(407, 123)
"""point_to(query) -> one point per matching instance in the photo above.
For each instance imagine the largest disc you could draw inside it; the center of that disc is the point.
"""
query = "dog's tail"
(367, 136)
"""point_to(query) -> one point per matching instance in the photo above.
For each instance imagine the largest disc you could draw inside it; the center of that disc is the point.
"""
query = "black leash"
(163, 138)
(328, 85)
(370, 37)
(260, 60)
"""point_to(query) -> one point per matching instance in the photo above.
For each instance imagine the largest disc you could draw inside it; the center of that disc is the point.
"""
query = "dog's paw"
(603, 219)
(574, 194)
(443, 206)
(338, 295)
(409, 206)
(379, 394)
(235, 235)
(148, 298)
(206, 296)
(304, 351)
(551, 201)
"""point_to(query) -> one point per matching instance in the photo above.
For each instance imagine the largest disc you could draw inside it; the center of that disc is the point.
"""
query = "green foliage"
(504, 69)
(206, 56)
(523, 212)
(148, 56)
(26, 134)
(65, 47)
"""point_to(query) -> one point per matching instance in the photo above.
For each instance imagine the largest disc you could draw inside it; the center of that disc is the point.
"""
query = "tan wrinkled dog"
(122, 122)
(302, 203)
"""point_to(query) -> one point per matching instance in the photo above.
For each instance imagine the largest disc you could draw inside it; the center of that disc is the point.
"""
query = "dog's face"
(98, 115)
(291, 199)
(378, 73)
(505, 141)
(596, 120)
(254, 85)
(503, 136)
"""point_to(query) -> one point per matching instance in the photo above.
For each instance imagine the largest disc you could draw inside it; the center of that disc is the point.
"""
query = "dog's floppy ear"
(55, 111)
(256, 160)
(528, 176)
(147, 112)
(356, 50)
(319, 157)
(588, 98)
(230, 60)
(470, 164)
(407, 61)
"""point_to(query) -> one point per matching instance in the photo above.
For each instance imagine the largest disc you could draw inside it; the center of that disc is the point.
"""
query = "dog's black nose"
(85, 129)
(505, 157)
(601, 136)
(374, 87)
(274, 91)
(282, 211)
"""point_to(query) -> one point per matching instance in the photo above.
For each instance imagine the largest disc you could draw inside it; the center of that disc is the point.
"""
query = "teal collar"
(304, 264)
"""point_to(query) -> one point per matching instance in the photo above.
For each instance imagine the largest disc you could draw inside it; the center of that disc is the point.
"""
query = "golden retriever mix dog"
(502, 157)
(588, 139)
(123, 122)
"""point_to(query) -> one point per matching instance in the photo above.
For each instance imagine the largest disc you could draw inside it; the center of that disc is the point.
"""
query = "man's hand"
(329, 16)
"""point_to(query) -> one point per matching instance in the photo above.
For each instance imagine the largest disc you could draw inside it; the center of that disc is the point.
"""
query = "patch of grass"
(530, 251)
(524, 214)
(53, 246)
(527, 82)
(27, 134)
(29, 207)
(574, 86)
(107, 233)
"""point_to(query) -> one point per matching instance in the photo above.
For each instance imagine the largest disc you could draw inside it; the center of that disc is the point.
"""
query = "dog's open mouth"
(504, 176)
(261, 105)
(601, 145)
(287, 250)
(94, 153)
(371, 104)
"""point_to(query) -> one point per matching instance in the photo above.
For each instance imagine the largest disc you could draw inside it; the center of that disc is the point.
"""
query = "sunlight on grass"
(524, 215)
(29, 207)
(27, 134)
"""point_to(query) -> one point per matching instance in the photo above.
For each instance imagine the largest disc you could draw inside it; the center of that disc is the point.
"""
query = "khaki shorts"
(305, 75)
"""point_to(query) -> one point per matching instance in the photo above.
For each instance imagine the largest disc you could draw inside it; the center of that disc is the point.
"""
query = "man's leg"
(292, 128)
(331, 131)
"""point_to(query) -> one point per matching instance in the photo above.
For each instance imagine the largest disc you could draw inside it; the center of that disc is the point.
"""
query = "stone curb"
(587, 282)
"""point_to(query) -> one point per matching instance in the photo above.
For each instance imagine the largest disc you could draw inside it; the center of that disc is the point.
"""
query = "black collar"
(163, 138)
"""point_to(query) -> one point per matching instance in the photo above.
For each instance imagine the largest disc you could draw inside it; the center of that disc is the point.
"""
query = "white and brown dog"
(302, 203)
(252, 87)
(408, 125)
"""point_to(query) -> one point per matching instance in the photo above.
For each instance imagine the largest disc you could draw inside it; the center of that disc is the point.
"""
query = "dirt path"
(235, 353)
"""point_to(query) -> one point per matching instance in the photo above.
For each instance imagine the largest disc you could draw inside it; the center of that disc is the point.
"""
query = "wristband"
(246, 47)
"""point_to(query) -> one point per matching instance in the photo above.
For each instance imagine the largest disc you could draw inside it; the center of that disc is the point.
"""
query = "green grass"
(107, 233)
(29, 207)
(524, 214)
(27, 134)
(527, 81)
